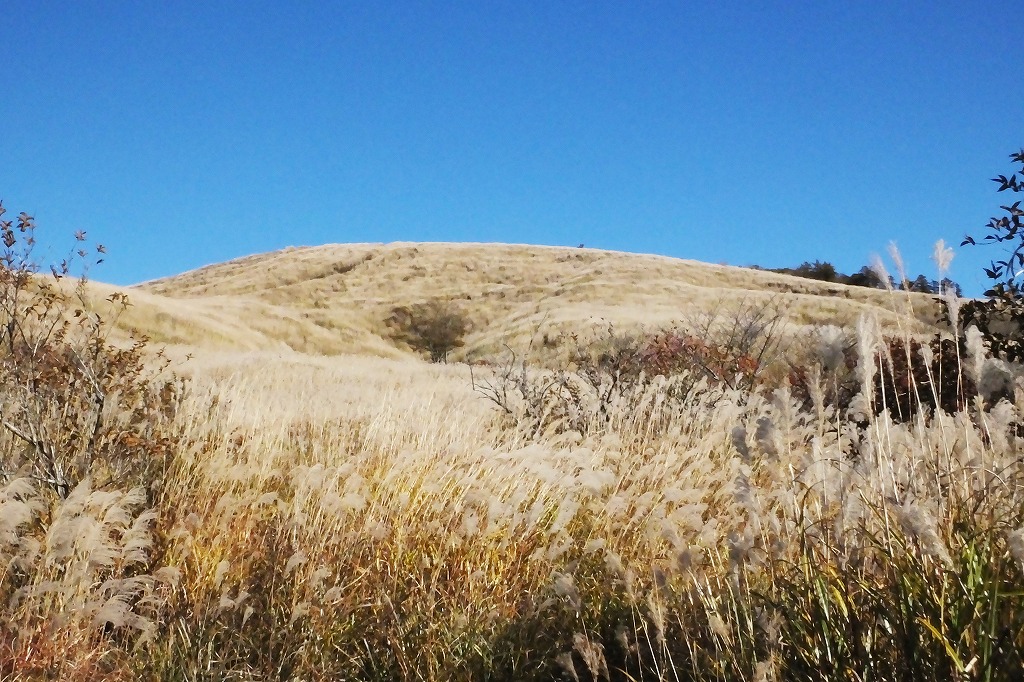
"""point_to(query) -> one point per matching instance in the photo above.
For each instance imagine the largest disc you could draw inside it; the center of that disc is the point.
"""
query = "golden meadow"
(331, 507)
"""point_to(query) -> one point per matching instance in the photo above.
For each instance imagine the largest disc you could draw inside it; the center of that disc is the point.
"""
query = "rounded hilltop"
(337, 298)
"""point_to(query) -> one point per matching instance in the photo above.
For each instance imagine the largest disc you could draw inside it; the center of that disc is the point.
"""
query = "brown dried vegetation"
(85, 437)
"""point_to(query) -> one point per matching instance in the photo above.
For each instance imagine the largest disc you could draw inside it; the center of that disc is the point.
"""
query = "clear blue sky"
(181, 136)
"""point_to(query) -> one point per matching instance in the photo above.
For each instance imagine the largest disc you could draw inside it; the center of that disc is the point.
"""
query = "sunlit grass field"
(361, 514)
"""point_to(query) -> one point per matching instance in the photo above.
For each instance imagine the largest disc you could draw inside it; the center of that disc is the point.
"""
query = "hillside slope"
(335, 299)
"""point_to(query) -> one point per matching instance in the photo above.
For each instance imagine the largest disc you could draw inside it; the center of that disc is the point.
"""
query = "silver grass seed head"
(592, 654)
(869, 337)
(943, 257)
(770, 623)
(622, 638)
(996, 379)
(565, 587)
(221, 571)
(614, 564)
(765, 436)
(976, 352)
(764, 671)
(741, 546)
(878, 267)
(739, 441)
(660, 577)
(897, 259)
(689, 559)
(831, 346)
(926, 353)
(918, 523)
(564, 661)
(720, 627)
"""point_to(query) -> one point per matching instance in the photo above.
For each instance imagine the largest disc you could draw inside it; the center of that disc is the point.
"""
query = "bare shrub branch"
(75, 404)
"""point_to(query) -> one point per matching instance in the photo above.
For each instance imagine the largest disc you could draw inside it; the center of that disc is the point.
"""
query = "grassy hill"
(334, 299)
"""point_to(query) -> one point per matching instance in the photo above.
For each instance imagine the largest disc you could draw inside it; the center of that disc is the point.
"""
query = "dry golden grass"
(364, 518)
(334, 299)
(338, 509)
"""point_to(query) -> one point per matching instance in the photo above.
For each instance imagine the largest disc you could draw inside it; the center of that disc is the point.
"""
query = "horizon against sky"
(801, 131)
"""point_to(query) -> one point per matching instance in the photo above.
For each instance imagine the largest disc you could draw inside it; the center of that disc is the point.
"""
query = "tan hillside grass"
(336, 299)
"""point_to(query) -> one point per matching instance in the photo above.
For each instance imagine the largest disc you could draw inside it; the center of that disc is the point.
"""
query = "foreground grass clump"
(396, 531)
(86, 436)
(361, 519)
(375, 520)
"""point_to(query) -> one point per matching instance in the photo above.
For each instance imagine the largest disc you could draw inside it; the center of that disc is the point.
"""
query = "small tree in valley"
(435, 327)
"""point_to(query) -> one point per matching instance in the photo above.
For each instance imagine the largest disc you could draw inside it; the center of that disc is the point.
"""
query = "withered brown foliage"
(911, 374)
(914, 374)
(728, 349)
(76, 403)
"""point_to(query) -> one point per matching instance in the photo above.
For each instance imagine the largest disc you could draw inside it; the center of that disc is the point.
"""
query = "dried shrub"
(736, 344)
(76, 404)
(533, 399)
(435, 327)
(913, 375)
(671, 353)
(85, 440)
(603, 376)
(824, 374)
(910, 375)
(646, 376)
